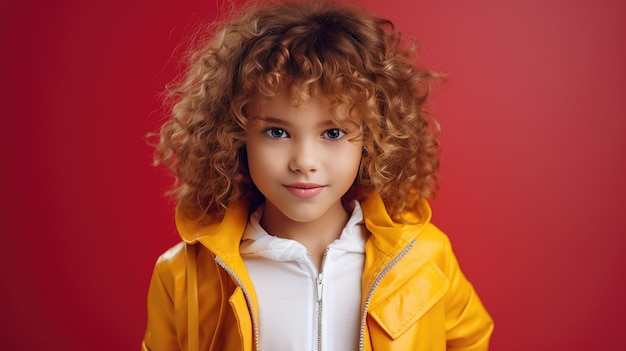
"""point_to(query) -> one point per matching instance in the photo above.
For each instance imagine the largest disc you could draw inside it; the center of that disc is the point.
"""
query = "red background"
(532, 180)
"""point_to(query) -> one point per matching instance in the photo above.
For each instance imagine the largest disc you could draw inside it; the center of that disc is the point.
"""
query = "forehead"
(283, 106)
(295, 98)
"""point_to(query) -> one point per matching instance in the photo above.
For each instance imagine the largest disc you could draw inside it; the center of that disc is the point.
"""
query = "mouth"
(304, 190)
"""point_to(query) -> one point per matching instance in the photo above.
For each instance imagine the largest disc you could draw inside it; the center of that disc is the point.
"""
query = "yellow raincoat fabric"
(414, 295)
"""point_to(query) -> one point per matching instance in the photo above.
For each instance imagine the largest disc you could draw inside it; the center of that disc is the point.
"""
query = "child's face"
(300, 159)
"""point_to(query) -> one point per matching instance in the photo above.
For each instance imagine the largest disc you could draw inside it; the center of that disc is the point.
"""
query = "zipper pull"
(319, 287)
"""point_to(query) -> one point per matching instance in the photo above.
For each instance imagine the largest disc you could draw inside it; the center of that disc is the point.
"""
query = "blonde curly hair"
(350, 56)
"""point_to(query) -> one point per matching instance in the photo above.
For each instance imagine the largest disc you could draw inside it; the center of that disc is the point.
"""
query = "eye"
(333, 134)
(275, 133)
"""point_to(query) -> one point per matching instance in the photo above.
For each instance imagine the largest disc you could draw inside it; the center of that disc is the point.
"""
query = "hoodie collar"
(257, 242)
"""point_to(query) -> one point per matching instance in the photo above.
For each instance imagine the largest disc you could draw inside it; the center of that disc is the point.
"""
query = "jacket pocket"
(404, 307)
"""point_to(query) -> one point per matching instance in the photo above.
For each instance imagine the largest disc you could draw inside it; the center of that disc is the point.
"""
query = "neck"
(315, 235)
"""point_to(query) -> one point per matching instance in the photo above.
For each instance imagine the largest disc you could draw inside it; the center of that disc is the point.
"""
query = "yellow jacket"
(414, 295)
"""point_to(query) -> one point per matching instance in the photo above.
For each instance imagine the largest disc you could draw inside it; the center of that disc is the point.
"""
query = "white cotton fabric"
(285, 280)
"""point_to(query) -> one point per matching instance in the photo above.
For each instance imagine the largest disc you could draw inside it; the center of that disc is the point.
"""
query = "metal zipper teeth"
(320, 301)
(320, 310)
(373, 288)
(255, 325)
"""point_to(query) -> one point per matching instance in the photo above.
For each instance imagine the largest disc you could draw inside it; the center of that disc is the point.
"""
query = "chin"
(303, 216)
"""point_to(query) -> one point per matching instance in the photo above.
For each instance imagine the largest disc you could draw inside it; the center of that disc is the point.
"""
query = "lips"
(304, 190)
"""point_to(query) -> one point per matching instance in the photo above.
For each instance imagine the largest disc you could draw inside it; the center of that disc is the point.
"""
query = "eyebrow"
(282, 122)
(270, 120)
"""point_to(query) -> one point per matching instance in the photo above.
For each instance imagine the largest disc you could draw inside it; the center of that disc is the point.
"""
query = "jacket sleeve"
(468, 324)
(161, 327)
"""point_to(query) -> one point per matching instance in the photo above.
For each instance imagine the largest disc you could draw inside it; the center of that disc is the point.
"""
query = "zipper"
(255, 324)
(319, 284)
(379, 278)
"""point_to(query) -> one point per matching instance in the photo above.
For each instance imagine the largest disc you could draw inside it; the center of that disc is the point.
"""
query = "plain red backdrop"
(533, 118)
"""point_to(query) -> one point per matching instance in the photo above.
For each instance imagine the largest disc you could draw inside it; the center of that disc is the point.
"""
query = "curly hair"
(350, 56)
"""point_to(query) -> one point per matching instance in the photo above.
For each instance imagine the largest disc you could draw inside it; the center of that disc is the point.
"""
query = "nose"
(305, 157)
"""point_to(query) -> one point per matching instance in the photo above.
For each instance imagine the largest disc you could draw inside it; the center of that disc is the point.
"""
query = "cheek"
(260, 163)
(350, 161)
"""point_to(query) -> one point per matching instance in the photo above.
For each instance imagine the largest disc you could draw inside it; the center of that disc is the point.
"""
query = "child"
(304, 157)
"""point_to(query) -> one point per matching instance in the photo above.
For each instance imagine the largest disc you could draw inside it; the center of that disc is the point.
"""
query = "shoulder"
(175, 259)
(178, 263)
(434, 245)
(172, 256)
(432, 239)
(171, 263)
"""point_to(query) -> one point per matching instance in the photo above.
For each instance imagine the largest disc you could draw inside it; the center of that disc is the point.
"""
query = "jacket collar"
(387, 235)
(222, 237)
